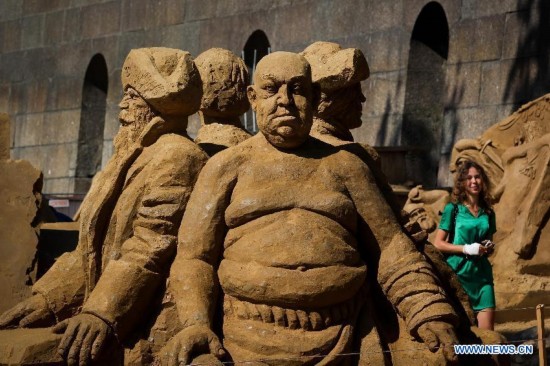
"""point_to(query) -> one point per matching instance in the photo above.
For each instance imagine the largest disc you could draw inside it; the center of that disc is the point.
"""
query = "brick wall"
(498, 58)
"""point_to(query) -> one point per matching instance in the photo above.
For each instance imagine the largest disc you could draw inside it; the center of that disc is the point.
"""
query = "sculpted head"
(157, 82)
(339, 73)
(224, 81)
(282, 97)
(135, 114)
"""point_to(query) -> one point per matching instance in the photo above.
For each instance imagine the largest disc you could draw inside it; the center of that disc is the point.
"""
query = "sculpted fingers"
(11, 317)
(183, 355)
(61, 327)
(71, 331)
(170, 353)
(429, 338)
(86, 347)
(37, 318)
(98, 343)
(73, 355)
(449, 353)
(447, 339)
(440, 335)
(192, 341)
(31, 312)
(216, 347)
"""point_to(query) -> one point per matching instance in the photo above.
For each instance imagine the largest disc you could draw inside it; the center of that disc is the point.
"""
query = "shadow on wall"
(529, 76)
(387, 135)
(450, 128)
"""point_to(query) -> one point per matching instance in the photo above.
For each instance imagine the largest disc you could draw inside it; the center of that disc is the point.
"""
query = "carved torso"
(290, 220)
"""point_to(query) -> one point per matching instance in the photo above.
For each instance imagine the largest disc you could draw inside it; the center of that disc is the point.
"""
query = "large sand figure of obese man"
(283, 230)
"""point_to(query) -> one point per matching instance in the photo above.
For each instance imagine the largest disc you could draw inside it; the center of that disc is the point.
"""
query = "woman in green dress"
(465, 232)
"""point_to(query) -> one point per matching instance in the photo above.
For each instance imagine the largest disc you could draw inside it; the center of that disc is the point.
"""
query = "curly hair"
(459, 189)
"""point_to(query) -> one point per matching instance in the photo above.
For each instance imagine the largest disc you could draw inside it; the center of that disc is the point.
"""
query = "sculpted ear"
(251, 93)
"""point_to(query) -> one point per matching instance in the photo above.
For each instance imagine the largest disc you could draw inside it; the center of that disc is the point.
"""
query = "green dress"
(474, 272)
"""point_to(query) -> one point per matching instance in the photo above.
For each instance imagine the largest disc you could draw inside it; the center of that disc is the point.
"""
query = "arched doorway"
(92, 123)
(424, 97)
(256, 47)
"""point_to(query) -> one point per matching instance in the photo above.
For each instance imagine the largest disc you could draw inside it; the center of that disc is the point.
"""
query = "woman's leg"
(486, 319)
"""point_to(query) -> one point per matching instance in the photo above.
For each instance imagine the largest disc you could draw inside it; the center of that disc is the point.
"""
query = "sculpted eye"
(270, 89)
(296, 89)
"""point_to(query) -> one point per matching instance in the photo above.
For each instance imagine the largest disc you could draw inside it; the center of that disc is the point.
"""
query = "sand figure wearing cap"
(130, 217)
(281, 232)
(224, 81)
(338, 73)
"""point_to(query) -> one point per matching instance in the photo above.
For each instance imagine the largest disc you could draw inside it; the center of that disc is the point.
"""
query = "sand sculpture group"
(283, 248)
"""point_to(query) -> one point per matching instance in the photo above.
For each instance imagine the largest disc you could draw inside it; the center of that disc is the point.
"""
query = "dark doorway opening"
(424, 97)
(92, 123)
(256, 47)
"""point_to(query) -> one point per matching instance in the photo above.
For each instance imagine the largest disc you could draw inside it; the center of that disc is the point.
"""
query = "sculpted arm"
(128, 283)
(193, 279)
(403, 274)
(54, 298)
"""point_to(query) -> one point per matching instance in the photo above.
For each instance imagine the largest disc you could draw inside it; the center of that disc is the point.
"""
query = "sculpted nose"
(363, 98)
(283, 97)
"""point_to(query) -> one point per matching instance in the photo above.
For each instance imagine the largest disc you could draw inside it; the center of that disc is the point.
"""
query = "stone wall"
(497, 59)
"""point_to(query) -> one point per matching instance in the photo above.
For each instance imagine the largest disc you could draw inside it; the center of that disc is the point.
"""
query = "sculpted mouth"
(284, 118)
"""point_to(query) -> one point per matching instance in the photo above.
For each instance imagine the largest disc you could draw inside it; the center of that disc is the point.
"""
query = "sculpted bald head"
(282, 97)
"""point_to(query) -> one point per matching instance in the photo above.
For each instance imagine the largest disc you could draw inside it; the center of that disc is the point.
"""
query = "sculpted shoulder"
(346, 162)
(233, 157)
(180, 149)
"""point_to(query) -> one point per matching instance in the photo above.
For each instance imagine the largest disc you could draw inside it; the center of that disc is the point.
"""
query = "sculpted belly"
(293, 258)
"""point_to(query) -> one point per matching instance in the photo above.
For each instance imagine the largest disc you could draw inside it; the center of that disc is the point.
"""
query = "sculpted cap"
(335, 68)
(166, 78)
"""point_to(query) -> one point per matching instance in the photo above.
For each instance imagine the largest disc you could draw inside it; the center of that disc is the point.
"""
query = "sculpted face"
(134, 114)
(282, 99)
(421, 216)
(344, 105)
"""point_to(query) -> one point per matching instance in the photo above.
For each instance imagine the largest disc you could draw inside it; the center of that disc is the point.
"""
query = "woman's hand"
(474, 249)
(489, 245)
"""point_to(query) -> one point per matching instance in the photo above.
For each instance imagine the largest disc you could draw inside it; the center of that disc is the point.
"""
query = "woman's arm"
(441, 243)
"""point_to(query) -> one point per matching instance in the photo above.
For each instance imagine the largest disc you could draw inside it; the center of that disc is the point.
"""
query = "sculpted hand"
(437, 334)
(189, 343)
(32, 312)
(84, 336)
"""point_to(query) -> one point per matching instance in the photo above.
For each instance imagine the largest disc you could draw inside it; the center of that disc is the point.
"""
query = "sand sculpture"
(224, 81)
(338, 73)
(20, 192)
(425, 208)
(515, 152)
(282, 232)
(129, 220)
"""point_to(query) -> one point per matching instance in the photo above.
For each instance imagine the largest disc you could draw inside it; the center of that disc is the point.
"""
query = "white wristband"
(471, 249)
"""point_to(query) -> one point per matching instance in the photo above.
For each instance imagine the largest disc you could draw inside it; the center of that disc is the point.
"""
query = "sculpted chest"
(274, 184)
